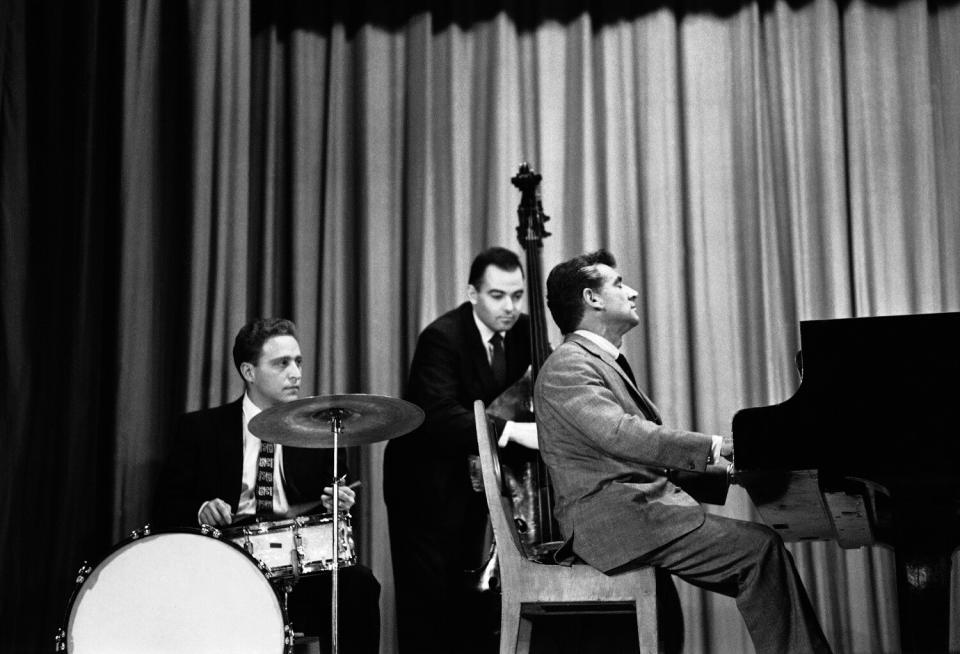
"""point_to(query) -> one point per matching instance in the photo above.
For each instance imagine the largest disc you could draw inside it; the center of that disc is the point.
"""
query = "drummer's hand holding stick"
(215, 512)
(347, 496)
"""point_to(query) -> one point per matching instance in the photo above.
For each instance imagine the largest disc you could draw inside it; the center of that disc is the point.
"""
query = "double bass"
(524, 472)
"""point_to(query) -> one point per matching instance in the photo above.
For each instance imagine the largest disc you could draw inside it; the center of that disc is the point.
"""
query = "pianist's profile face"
(618, 300)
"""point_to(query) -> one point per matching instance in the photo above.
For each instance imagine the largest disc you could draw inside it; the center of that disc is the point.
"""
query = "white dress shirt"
(246, 504)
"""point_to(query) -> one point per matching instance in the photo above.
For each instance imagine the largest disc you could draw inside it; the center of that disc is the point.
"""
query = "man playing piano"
(608, 456)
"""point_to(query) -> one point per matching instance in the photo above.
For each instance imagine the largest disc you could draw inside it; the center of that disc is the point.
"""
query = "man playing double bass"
(475, 351)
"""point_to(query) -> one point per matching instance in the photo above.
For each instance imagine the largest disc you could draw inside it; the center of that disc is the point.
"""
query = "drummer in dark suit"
(437, 519)
(219, 473)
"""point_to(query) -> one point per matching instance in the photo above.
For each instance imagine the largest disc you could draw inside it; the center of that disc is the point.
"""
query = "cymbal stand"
(336, 417)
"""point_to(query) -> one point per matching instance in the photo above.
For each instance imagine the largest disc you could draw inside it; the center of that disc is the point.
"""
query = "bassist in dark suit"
(473, 352)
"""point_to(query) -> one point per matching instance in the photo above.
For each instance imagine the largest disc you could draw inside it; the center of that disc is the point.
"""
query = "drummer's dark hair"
(251, 337)
(565, 285)
(496, 256)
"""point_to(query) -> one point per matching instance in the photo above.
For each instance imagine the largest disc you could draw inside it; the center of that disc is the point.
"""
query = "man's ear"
(246, 371)
(472, 293)
(591, 298)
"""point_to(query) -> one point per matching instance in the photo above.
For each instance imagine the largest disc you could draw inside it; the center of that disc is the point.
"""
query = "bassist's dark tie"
(498, 363)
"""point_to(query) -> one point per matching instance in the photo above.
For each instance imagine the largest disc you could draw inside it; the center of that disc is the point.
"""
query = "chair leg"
(647, 630)
(524, 635)
(509, 627)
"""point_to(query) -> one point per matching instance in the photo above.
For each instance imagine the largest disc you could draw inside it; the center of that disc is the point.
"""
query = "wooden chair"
(532, 587)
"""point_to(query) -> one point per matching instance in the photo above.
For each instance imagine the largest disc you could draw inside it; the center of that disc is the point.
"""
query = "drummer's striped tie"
(263, 489)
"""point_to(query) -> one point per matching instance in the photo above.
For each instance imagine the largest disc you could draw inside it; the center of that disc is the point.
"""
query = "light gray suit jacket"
(608, 457)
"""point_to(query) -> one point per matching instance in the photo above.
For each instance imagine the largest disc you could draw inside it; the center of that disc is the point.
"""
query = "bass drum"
(180, 591)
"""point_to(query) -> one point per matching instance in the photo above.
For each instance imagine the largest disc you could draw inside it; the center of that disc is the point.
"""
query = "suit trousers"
(746, 561)
(435, 613)
(358, 615)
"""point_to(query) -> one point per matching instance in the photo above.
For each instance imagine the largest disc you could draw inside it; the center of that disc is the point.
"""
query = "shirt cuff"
(715, 448)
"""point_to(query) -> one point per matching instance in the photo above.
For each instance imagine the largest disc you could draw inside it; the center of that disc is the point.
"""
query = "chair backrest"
(499, 502)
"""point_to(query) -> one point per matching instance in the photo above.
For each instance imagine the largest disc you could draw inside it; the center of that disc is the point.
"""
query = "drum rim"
(267, 526)
(86, 571)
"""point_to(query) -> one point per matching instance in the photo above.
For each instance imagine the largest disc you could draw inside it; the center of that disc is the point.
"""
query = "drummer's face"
(276, 377)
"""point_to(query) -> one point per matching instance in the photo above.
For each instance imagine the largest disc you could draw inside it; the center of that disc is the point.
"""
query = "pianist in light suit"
(608, 452)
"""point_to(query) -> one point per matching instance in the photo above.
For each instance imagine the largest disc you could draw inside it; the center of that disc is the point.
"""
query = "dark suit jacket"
(448, 373)
(599, 435)
(207, 462)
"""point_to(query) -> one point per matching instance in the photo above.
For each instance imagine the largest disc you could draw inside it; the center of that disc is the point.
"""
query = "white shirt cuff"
(715, 449)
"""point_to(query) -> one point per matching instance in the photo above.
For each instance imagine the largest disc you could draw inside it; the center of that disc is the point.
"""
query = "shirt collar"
(485, 332)
(600, 341)
(249, 409)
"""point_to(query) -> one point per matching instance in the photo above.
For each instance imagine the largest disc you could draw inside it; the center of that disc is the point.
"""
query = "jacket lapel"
(230, 447)
(477, 351)
(644, 403)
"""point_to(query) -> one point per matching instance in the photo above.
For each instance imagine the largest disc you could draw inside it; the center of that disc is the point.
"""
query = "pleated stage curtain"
(751, 165)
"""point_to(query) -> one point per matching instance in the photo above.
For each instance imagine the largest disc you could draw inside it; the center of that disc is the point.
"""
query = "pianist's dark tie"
(622, 362)
(648, 409)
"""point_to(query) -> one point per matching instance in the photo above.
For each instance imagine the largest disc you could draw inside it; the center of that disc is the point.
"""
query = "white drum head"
(176, 592)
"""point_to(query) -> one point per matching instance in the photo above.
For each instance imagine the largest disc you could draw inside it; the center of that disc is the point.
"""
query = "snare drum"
(182, 591)
(305, 541)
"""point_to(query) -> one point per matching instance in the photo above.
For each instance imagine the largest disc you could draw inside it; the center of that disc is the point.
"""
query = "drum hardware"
(142, 531)
(320, 422)
(210, 530)
(83, 572)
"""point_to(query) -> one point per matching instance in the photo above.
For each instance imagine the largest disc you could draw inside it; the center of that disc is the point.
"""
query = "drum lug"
(139, 533)
(298, 543)
(207, 530)
(82, 573)
(60, 644)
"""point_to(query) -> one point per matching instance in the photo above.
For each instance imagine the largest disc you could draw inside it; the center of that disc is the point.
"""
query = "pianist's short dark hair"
(250, 339)
(565, 285)
(496, 256)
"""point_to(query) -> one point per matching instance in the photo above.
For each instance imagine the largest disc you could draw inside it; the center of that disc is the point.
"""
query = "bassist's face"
(497, 299)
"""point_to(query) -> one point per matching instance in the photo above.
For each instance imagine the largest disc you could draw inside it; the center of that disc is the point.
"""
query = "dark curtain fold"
(61, 145)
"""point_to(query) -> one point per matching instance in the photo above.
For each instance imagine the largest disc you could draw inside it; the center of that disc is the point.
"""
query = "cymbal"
(364, 419)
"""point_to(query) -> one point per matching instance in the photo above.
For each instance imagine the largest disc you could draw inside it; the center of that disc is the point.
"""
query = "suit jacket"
(449, 372)
(207, 462)
(599, 435)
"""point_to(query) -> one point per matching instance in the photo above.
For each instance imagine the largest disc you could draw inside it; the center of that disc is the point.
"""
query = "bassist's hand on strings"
(521, 433)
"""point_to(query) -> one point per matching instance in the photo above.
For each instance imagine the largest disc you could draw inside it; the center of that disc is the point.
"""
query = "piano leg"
(923, 590)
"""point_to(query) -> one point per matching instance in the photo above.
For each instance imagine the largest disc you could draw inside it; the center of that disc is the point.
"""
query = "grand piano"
(866, 452)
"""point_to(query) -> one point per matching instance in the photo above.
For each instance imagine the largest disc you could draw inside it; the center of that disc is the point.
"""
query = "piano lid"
(878, 395)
